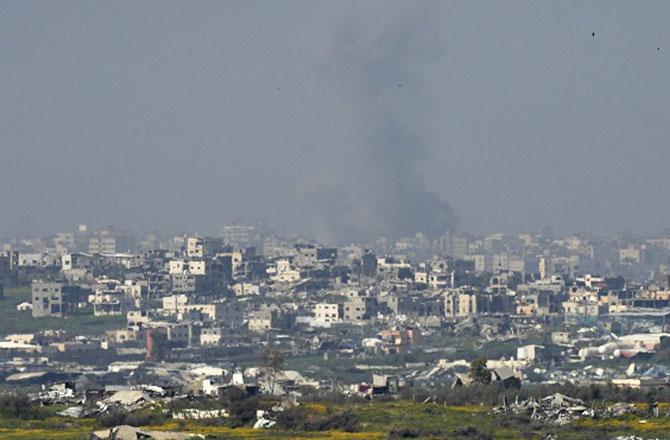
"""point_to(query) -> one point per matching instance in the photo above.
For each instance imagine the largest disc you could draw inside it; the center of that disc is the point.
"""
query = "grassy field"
(375, 421)
(14, 321)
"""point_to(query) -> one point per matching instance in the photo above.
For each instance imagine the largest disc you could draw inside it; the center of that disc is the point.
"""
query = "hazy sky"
(335, 118)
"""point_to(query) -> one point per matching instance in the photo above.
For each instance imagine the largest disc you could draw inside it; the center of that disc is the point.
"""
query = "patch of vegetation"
(301, 419)
(14, 321)
(349, 420)
(242, 408)
(479, 373)
(19, 406)
(140, 417)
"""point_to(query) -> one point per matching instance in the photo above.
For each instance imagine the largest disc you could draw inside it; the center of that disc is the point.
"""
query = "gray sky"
(309, 115)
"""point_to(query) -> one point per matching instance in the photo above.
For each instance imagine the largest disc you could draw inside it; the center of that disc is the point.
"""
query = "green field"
(14, 321)
(389, 420)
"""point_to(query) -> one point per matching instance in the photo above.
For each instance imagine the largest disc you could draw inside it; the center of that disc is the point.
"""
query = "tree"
(16, 405)
(478, 371)
(512, 383)
(273, 360)
(161, 347)
(663, 350)
(615, 283)
(242, 409)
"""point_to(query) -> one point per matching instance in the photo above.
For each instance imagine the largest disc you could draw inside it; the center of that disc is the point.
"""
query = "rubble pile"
(631, 437)
(199, 414)
(56, 394)
(560, 409)
(268, 418)
(619, 409)
(126, 399)
(126, 432)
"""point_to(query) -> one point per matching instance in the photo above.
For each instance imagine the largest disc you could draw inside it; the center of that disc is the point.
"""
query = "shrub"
(471, 433)
(298, 419)
(342, 421)
(293, 418)
(111, 418)
(19, 406)
(145, 418)
(242, 408)
(397, 433)
(478, 371)
(140, 417)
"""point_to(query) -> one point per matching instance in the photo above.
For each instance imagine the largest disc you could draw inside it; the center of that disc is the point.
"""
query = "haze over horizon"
(342, 120)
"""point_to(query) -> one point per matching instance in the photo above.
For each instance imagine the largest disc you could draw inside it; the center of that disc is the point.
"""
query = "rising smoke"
(371, 53)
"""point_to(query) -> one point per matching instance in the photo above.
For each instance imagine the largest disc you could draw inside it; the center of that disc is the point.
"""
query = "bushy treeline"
(19, 406)
(140, 417)
(299, 419)
(465, 433)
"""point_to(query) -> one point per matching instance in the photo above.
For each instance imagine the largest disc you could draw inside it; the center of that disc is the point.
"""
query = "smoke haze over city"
(343, 120)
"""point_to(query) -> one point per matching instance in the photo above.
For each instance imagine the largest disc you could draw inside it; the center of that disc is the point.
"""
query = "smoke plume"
(371, 54)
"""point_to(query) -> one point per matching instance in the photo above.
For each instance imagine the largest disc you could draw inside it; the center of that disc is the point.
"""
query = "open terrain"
(377, 420)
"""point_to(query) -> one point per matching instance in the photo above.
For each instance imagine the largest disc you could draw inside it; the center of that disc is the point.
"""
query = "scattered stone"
(127, 432)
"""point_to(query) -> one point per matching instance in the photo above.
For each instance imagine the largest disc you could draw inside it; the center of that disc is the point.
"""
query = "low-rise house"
(385, 384)
(246, 289)
(397, 341)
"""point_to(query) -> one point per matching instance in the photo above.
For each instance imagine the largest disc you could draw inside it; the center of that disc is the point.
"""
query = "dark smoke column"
(370, 53)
